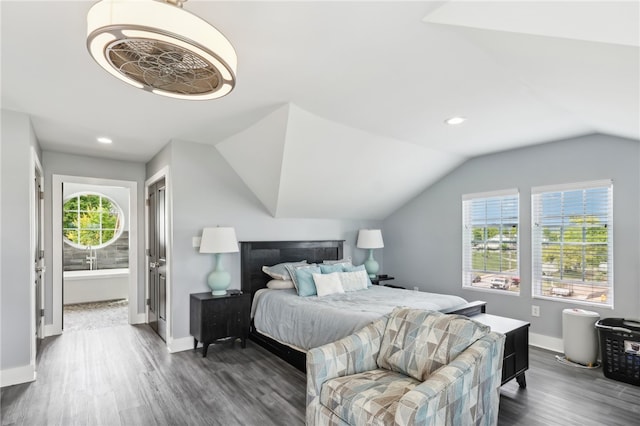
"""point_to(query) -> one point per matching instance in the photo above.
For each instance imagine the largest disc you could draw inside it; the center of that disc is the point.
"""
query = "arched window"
(91, 220)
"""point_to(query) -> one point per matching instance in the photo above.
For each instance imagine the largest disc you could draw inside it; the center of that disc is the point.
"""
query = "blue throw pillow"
(327, 269)
(304, 277)
(355, 269)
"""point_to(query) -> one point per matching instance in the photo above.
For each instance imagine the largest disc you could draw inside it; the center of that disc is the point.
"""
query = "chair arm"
(464, 392)
(353, 354)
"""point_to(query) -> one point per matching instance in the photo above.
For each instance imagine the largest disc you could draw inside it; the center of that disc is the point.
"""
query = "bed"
(339, 315)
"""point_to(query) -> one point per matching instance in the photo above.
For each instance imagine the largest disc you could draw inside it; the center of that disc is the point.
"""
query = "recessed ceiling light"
(455, 120)
(104, 140)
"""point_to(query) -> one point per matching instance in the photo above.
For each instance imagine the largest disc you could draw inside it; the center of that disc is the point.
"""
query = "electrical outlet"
(535, 311)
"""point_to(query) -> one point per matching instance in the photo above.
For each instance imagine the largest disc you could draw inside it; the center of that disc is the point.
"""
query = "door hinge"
(41, 254)
(147, 202)
(42, 195)
(41, 312)
(147, 252)
(148, 302)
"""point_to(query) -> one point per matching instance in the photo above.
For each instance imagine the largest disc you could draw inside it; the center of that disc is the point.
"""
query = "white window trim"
(610, 269)
(466, 285)
(591, 184)
(491, 194)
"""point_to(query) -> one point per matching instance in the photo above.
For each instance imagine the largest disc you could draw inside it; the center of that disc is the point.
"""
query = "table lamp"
(219, 240)
(370, 239)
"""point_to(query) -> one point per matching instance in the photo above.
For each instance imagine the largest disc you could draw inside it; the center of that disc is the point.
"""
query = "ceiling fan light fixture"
(161, 48)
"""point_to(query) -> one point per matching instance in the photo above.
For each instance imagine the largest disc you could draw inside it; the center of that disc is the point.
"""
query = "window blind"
(572, 242)
(490, 249)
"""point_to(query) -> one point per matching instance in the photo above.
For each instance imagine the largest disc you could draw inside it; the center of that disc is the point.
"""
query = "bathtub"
(94, 286)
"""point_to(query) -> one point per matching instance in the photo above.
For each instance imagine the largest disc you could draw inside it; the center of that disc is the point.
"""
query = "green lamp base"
(218, 282)
(371, 265)
(219, 279)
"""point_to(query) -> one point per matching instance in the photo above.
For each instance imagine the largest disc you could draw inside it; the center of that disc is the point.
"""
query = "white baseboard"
(14, 376)
(554, 344)
(139, 318)
(182, 344)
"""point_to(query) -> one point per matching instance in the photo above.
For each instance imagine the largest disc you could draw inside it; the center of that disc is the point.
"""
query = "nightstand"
(378, 278)
(217, 317)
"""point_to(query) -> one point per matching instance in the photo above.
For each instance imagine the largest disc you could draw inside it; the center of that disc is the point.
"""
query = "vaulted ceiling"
(340, 106)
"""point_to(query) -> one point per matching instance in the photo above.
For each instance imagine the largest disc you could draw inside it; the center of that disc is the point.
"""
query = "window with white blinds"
(490, 241)
(572, 247)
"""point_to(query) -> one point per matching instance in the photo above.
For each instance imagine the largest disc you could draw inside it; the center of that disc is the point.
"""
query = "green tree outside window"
(91, 220)
(578, 249)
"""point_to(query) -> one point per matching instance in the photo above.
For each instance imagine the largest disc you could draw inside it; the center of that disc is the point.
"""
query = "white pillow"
(280, 284)
(354, 281)
(327, 284)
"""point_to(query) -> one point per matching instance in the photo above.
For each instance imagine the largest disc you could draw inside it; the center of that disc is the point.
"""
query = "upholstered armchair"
(415, 367)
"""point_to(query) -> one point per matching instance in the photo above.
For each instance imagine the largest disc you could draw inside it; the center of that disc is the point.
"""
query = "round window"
(91, 220)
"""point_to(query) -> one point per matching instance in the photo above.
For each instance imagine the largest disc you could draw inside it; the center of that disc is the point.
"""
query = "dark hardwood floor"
(563, 395)
(124, 376)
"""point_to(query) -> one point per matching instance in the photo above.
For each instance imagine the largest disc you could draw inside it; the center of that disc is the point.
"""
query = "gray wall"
(75, 165)
(160, 160)
(15, 250)
(423, 239)
(112, 256)
(207, 192)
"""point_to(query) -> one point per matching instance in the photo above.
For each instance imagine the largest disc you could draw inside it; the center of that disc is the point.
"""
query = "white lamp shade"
(219, 240)
(370, 239)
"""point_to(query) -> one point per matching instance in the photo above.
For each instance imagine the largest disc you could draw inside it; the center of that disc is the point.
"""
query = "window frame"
(117, 231)
(469, 274)
(564, 218)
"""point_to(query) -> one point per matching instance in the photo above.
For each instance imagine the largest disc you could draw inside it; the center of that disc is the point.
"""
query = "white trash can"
(580, 336)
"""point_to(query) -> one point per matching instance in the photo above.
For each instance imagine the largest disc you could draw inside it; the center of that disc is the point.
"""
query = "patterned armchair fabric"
(416, 368)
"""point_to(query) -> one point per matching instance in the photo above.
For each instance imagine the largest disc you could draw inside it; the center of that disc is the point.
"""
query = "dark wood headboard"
(256, 254)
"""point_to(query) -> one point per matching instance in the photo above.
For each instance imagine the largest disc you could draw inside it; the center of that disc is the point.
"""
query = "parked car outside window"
(500, 282)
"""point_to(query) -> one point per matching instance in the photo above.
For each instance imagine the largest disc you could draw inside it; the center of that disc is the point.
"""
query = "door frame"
(162, 173)
(37, 327)
(56, 192)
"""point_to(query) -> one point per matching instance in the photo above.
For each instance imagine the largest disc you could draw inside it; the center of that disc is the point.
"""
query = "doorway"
(83, 281)
(95, 256)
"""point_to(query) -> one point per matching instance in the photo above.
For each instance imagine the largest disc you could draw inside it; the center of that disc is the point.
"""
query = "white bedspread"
(309, 322)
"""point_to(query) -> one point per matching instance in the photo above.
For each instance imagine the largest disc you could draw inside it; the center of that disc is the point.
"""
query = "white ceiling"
(354, 91)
